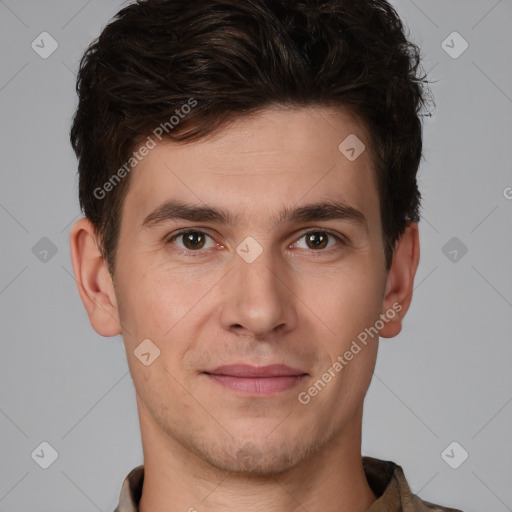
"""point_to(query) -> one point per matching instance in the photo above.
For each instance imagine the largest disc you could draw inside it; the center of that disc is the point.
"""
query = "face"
(264, 286)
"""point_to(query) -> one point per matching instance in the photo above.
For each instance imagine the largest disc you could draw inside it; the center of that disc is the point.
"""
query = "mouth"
(257, 380)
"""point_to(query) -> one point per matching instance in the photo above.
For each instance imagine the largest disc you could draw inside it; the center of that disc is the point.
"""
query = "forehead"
(258, 164)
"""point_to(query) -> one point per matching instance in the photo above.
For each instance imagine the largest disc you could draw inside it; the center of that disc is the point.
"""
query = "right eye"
(193, 240)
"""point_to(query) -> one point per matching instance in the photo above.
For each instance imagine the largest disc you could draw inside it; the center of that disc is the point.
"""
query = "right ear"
(93, 279)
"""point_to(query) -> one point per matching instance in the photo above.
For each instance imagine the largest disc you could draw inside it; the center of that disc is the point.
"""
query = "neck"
(332, 479)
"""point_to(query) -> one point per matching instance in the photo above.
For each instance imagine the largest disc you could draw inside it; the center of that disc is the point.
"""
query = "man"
(248, 179)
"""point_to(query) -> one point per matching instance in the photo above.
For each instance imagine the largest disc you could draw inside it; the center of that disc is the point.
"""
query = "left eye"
(319, 239)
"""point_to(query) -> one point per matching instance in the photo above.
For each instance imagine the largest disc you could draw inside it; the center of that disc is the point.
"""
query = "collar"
(385, 478)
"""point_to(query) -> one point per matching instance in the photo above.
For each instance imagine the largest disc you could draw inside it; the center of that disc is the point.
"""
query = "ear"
(93, 279)
(400, 280)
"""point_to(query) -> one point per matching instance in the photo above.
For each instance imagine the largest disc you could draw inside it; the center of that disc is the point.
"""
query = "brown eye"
(191, 240)
(317, 240)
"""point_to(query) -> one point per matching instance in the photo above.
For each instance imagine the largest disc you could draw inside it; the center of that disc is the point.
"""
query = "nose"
(258, 298)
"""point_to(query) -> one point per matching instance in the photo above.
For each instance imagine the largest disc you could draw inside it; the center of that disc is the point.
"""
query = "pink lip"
(259, 380)
(246, 370)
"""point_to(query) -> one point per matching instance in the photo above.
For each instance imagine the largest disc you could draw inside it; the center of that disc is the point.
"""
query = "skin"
(205, 446)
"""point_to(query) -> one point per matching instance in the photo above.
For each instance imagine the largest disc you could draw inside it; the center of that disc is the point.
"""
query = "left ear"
(400, 280)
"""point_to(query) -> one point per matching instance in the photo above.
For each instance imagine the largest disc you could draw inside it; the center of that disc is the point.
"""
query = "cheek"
(151, 302)
(167, 306)
(344, 300)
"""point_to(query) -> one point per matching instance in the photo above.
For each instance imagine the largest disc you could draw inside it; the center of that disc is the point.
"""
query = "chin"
(257, 458)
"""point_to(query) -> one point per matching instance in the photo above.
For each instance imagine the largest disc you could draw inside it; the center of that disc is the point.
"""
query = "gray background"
(445, 378)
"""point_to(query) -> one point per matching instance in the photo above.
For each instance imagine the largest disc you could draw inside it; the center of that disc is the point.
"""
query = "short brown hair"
(237, 57)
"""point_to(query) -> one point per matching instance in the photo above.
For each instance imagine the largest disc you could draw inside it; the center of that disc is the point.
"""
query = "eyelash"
(200, 253)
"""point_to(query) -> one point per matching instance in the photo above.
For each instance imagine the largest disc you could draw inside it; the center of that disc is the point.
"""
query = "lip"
(247, 370)
(257, 380)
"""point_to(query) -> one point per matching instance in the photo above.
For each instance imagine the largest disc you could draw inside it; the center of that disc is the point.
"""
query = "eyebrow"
(330, 210)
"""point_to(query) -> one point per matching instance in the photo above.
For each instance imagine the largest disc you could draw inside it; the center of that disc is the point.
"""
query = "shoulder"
(131, 490)
(388, 483)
